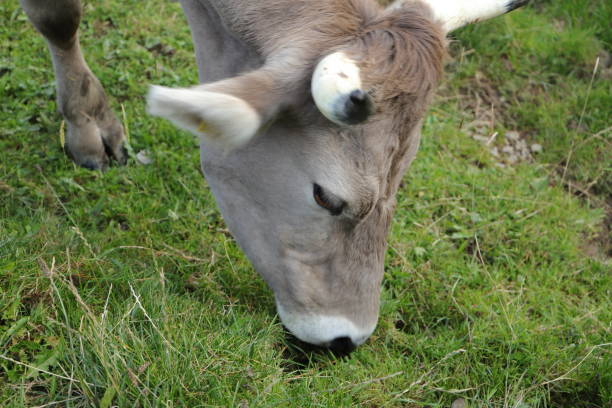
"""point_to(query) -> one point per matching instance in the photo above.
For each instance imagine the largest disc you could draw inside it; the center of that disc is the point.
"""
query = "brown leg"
(94, 135)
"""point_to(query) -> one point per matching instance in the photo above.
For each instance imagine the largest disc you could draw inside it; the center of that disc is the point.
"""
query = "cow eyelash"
(324, 200)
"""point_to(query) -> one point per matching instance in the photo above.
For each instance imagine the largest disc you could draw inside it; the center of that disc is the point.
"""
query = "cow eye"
(327, 201)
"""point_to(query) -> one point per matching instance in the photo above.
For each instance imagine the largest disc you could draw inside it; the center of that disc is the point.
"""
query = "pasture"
(124, 288)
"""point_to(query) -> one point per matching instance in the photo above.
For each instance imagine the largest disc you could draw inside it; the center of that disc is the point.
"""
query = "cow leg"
(93, 133)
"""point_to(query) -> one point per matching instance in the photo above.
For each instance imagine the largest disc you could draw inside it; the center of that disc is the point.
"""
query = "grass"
(125, 289)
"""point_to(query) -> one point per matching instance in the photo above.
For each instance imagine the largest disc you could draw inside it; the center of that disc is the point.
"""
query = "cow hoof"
(94, 136)
(94, 146)
(113, 139)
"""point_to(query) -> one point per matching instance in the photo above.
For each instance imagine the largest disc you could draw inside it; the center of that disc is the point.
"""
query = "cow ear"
(454, 14)
(220, 118)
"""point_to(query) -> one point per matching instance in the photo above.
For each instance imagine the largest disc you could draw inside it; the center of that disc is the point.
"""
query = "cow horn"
(337, 90)
(454, 14)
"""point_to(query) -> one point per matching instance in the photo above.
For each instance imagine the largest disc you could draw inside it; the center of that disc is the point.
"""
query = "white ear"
(457, 13)
(220, 118)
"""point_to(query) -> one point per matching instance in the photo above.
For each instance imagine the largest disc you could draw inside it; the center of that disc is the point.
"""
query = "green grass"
(125, 289)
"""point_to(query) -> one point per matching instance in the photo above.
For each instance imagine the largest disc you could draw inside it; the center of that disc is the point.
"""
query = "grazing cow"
(309, 114)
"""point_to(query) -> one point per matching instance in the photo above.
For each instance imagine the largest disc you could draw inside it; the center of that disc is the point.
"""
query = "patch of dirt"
(600, 246)
(513, 149)
(487, 107)
(159, 48)
(101, 27)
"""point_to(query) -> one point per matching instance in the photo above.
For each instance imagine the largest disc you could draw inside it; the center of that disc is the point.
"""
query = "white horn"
(336, 90)
(457, 13)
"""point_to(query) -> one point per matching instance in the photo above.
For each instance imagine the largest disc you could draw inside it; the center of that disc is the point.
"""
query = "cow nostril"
(342, 345)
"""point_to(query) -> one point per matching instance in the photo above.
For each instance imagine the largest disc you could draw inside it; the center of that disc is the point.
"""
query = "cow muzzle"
(334, 332)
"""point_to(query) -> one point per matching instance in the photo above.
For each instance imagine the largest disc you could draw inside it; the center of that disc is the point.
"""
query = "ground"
(125, 288)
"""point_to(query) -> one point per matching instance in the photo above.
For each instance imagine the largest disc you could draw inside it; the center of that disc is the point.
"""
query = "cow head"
(305, 158)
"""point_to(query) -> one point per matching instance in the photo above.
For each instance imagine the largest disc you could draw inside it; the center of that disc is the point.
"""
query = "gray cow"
(309, 114)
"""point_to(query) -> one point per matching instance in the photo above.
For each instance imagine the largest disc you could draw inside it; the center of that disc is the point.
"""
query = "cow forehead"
(278, 169)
